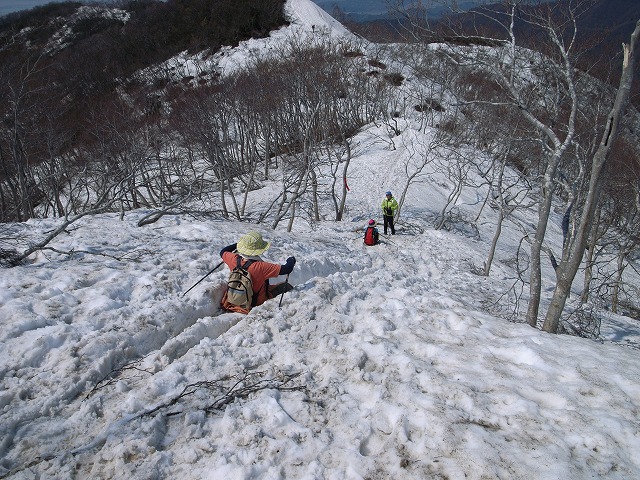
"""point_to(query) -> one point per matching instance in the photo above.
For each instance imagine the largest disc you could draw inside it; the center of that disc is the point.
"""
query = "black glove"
(291, 260)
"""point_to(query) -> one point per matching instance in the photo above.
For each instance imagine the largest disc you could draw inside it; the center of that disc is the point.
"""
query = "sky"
(357, 7)
(383, 362)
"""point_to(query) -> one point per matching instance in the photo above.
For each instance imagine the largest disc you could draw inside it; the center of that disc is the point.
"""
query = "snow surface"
(383, 363)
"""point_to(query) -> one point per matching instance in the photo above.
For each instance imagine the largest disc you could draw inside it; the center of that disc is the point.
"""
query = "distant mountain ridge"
(601, 28)
(617, 17)
(363, 11)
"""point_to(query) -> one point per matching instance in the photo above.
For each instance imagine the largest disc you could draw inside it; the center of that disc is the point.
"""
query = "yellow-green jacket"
(389, 207)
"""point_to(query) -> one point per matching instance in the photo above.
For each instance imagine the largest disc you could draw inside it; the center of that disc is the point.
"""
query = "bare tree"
(22, 88)
(204, 119)
(502, 198)
(542, 86)
(323, 99)
(508, 72)
(339, 155)
(572, 257)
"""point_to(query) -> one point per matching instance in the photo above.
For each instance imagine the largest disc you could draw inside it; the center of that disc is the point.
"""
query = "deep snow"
(383, 362)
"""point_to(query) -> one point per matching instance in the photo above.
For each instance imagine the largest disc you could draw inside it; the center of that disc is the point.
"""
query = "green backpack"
(240, 286)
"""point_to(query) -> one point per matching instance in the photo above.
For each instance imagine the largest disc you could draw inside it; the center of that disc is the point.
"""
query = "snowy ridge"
(309, 16)
(307, 22)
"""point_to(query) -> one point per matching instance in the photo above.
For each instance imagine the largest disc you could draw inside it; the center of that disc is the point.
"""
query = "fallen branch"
(61, 228)
(114, 375)
(133, 255)
(241, 387)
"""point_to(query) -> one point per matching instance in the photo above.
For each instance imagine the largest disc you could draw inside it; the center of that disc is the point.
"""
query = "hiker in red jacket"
(248, 250)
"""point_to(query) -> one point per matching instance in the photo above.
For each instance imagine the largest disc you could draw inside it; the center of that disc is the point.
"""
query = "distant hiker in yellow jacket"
(389, 207)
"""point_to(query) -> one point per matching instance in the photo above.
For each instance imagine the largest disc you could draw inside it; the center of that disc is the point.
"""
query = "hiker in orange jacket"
(250, 247)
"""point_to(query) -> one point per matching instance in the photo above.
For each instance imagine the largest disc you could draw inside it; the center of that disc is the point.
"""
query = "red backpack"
(371, 236)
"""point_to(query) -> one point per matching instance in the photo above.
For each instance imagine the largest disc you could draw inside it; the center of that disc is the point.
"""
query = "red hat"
(372, 222)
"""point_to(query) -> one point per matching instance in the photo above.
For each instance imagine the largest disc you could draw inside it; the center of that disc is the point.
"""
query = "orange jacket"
(260, 273)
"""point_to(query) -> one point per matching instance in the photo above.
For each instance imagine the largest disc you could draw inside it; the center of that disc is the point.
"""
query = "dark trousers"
(388, 223)
(279, 289)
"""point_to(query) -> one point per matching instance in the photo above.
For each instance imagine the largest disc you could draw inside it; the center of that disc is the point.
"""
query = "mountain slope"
(394, 361)
(382, 363)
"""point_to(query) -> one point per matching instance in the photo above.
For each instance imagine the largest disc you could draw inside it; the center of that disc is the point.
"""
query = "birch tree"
(572, 256)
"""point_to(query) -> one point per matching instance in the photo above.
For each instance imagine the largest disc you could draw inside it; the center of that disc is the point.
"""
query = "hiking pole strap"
(216, 267)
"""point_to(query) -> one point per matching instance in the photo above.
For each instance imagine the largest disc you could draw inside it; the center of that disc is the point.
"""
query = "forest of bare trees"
(177, 144)
(75, 140)
(569, 130)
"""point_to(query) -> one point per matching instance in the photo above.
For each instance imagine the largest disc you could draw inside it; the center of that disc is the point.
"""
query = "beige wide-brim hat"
(252, 244)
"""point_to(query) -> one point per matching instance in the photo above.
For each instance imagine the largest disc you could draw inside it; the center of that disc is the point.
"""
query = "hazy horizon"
(10, 6)
(356, 8)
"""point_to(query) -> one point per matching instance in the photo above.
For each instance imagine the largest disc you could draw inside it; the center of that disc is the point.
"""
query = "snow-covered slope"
(397, 372)
(308, 22)
(307, 15)
(383, 362)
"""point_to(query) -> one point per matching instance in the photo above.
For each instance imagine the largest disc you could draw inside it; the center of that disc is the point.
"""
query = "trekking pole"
(286, 280)
(216, 267)
(388, 240)
(390, 243)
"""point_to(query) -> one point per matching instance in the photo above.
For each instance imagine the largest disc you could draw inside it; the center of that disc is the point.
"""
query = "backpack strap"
(246, 266)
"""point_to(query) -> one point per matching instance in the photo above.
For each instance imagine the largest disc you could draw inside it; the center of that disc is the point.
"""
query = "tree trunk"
(501, 215)
(591, 252)
(535, 278)
(615, 295)
(569, 266)
(314, 195)
(343, 200)
(494, 243)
